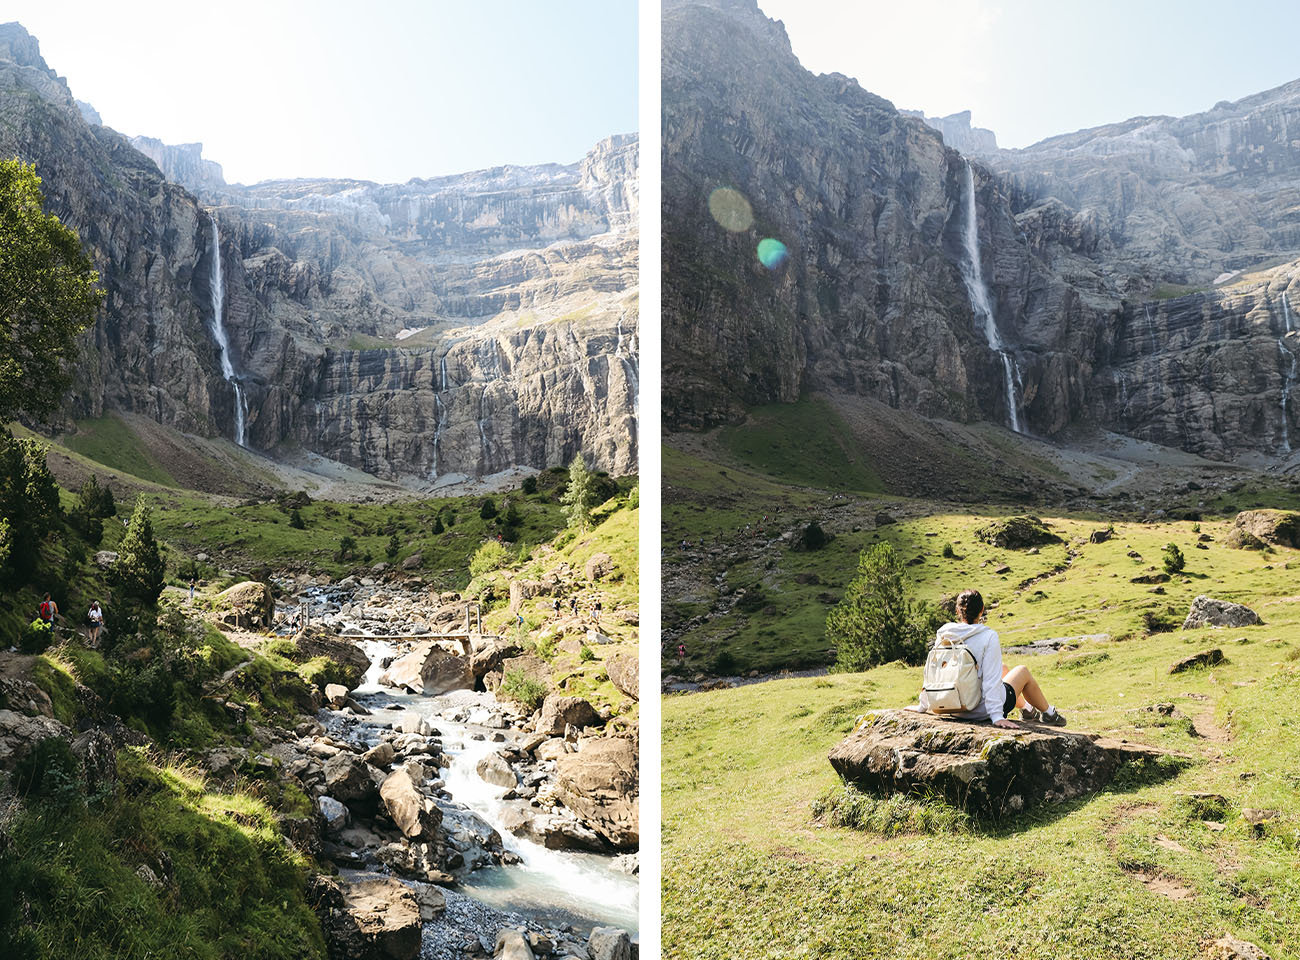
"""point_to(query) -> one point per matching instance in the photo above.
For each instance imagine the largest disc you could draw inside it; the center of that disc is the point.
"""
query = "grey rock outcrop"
(431, 670)
(372, 919)
(558, 712)
(1208, 612)
(600, 784)
(1109, 255)
(978, 767)
(427, 331)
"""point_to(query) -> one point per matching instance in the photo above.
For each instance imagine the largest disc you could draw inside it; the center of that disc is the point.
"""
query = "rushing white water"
(444, 375)
(978, 293)
(218, 287)
(1288, 379)
(580, 888)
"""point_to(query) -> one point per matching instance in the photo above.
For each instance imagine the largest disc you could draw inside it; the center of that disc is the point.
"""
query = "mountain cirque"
(437, 329)
(1141, 274)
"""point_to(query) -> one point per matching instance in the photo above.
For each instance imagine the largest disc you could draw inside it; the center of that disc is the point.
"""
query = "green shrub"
(813, 537)
(49, 771)
(487, 509)
(948, 552)
(1173, 560)
(295, 519)
(523, 689)
(36, 637)
(875, 622)
(490, 556)
(529, 485)
(586, 654)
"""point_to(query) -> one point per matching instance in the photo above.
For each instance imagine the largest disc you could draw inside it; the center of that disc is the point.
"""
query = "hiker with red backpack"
(966, 680)
(47, 611)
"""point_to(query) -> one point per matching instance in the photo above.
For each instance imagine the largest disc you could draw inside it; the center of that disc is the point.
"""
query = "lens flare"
(772, 253)
(731, 210)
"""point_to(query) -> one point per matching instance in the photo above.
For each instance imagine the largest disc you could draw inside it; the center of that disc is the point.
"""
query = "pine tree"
(139, 572)
(875, 623)
(578, 496)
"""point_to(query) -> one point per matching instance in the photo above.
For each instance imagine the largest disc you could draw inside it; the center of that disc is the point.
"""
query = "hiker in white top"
(1003, 689)
(96, 617)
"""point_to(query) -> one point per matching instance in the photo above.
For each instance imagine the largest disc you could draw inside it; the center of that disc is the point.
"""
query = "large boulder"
(349, 779)
(559, 711)
(625, 675)
(1280, 527)
(599, 783)
(247, 606)
(491, 656)
(414, 814)
(599, 566)
(521, 590)
(512, 945)
(983, 769)
(377, 918)
(610, 943)
(1208, 612)
(1017, 533)
(493, 768)
(19, 734)
(318, 642)
(430, 669)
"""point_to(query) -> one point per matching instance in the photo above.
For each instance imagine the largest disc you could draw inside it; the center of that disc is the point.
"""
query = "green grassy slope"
(1130, 873)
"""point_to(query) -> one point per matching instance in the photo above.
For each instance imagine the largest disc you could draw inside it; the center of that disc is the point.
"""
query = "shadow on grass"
(898, 814)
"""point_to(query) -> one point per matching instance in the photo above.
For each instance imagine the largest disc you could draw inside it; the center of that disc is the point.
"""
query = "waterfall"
(444, 374)
(1289, 378)
(979, 299)
(484, 446)
(218, 287)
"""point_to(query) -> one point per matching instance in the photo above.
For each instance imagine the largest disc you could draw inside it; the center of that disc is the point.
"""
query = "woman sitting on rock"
(1003, 689)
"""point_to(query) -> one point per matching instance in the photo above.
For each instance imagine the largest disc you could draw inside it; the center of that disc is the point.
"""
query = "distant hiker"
(974, 685)
(681, 652)
(573, 606)
(595, 611)
(96, 617)
(192, 585)
(48, 610)
(555, 605)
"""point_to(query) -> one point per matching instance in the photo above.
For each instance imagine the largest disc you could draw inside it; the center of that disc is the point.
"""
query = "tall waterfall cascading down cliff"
(1288, 354)
(978, 292)
(218, 286)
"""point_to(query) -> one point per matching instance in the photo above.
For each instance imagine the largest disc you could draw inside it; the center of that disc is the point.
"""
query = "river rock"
(336, 695)
(1208, 612)
(412, 722)
(981, 768)
(407, 806)
(381, 755)
(247, 605)
(625, 675)
(610, 943)
(552, 749)
(431, 670)
(491, 656)
(512, 945)
(333, 813)
(559, 711)
(494, 769)
(315, 641)
(600, 784)
(350, 780)
(431, 900)
(373, 919)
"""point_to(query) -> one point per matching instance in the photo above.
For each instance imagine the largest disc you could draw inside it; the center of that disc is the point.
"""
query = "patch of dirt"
(1164, 885)
(1169, 843)
(1205, 727)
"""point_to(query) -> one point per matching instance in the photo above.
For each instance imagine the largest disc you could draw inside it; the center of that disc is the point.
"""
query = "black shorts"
(1009, 703)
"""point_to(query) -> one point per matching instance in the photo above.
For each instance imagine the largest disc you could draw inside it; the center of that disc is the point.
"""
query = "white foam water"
(978, 293)
(218, 288)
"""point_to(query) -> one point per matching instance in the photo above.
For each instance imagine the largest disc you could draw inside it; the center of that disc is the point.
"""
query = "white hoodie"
(983, 644)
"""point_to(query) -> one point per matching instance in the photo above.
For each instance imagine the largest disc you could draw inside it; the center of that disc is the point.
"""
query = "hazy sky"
(382, 90)
(1029, 69)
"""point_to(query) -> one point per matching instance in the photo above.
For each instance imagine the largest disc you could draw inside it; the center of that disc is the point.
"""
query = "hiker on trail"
(681, 652)
(192, 585)
(992, 690)
(96, 617)
(573, 606)
(555, 605)
(520, 617)
(48, 610)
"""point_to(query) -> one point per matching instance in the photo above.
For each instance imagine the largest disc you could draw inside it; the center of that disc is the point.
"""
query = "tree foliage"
(579, 494)
(47, 296)
(29, 502)
(139, 572)
(875, 622)
(491, 556)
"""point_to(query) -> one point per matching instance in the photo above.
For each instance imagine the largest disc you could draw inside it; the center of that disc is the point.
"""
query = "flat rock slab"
(982, 769)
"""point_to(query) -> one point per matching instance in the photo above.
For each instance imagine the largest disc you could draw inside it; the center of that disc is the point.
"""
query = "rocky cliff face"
(878, 296)
(439, 328)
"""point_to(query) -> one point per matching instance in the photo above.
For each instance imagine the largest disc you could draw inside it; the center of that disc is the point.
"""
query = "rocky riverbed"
(492, 829)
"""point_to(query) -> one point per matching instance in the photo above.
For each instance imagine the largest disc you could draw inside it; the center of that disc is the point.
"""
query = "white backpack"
(952, 678)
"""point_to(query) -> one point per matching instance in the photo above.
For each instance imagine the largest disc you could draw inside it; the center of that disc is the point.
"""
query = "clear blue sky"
(1030, 69)
(382, 90)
